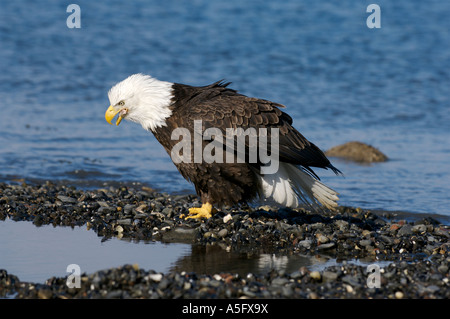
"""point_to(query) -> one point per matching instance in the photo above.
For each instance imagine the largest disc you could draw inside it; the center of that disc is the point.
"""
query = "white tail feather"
(291, 185)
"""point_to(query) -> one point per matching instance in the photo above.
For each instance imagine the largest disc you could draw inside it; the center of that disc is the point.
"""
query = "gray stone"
(405, 230)
(365, 242)
(342, 224)
(329, 276)
(326, 246)
(66, 199)
(419, 228)
(223, 232)
(125, 221)
(279, 281)
(305, 243)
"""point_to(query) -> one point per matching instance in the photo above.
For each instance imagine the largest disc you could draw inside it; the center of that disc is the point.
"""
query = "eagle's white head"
(141, 99)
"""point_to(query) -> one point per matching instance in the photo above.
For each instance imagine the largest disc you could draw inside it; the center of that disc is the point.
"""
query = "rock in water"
(358, 152)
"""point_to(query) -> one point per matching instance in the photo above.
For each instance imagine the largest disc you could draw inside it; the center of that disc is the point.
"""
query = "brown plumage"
(219, 106)
(162, 107)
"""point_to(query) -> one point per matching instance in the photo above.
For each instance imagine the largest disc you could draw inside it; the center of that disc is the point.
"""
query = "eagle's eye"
(121, 103)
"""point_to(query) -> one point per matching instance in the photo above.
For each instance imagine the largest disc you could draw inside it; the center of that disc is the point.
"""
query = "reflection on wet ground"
(38, 253)
(214, 259)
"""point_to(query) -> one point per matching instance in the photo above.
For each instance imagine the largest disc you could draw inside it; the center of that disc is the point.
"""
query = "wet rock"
(168, 211)
(353, 281)
(119, 229)
(406, 230)
(326, 246)
(44, 293)
(322, 239)
(399, 280)
(128, 208)
(155, 277)
(305, 243)
(315, 275)
(399, 295)
(443, 269)
(419, 228)
(419, 252)
(365, 242)
(66, 199)
(125, 221)
(329, 276)
(358, 152)
(279, 281)
(223, 232)
(342, 225)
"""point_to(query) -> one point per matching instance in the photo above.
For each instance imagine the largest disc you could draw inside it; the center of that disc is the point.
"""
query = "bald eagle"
(164, 107)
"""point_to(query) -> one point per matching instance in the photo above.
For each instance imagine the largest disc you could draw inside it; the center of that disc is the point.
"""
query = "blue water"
(340, 81)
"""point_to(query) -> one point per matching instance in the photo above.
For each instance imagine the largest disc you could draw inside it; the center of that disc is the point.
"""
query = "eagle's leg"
(201, 212)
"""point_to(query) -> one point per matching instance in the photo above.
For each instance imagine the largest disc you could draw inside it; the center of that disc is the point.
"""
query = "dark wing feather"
(221, 107)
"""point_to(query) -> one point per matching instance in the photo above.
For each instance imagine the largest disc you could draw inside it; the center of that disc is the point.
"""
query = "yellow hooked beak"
(111, 112)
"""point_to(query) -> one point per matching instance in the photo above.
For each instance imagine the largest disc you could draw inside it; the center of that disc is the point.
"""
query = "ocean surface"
(340, 81)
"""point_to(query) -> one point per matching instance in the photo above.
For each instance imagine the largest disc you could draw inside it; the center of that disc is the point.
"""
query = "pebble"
(126, 221)
(349, 288)
(223, 232)
(155, 277)
(358, 152)
(129, 281)
(322, 239)
(119, 229)
(419, 228)
(315, 275)
(305, 243)
(405, 230)
(326, 246)
(227, 218)
(44, 293)
(399, 295)
(279, 281)
(443, 269)
(418, 252)
(329, 276)
(342, 225)
(66, 199)
(365, 242)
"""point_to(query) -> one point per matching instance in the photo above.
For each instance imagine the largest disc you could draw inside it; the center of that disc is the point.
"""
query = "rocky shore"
(415, 252)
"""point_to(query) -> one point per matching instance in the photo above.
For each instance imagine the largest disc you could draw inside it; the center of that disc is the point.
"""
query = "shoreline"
(413, 247)
(92, 185)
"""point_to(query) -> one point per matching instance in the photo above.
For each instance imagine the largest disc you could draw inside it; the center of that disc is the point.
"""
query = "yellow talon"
(200, 212)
